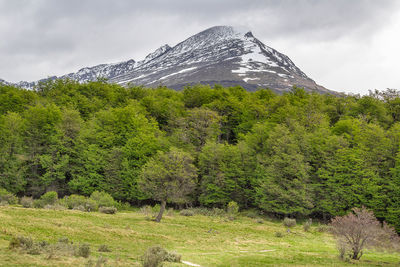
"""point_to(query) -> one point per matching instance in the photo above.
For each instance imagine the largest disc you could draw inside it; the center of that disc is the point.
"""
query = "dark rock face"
(219, 55)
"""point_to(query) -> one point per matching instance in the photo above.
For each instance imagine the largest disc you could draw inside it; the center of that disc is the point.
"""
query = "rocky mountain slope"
(219, 55)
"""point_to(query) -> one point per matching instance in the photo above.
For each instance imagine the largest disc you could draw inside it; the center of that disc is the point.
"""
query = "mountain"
(219, 55)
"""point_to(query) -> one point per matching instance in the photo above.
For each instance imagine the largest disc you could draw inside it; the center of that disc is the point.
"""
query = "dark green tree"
(168, 177)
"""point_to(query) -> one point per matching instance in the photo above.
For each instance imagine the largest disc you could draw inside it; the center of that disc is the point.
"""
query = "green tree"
(225, 175)
(41, 137)
(282, 174)
(12, 160)
(346, 182)
(168, 177)
(197, 127)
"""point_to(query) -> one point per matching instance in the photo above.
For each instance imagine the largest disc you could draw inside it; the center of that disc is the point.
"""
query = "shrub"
(154, 257)
(80, 208)
(73, 201)
(62, 247)
(156, 208)
(90, 205)
(250, 213)
(49, 198)
(36, 249)
(21, 242)
(307, 225)
(218, 212)
(83, 251)
(360, 229)
(103, 199)
(278, 234)
(202, 211)
(81, 203)
(108, 210)
(289, 223)
(38, 204)
(27, 202)
(8, 197)
(122, 205)
(55, 207)
(232, 208)
(172, 257)
(14, 243)
(170, 212)
(104, 248)
(186, 212)
(146, 210)
(323, 228)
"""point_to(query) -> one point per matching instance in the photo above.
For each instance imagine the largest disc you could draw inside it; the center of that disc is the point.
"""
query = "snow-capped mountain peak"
(222, 54)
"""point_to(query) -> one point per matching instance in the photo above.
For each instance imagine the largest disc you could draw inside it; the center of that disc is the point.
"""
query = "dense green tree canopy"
(295, 154)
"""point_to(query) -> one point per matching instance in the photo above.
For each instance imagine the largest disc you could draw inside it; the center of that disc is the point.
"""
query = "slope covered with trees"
(296, 154)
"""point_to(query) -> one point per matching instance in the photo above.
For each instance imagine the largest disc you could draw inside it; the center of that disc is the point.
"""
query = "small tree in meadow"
(360, 229)
(168, 177)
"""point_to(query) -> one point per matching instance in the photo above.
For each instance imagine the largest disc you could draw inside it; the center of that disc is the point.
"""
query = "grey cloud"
(47, 37)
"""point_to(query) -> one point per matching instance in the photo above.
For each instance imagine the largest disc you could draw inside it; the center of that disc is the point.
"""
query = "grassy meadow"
(203, 240)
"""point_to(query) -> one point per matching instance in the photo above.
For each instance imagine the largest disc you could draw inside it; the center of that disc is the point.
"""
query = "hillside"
(202, 240)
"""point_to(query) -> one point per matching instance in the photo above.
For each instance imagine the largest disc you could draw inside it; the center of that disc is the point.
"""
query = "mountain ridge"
(221, 54)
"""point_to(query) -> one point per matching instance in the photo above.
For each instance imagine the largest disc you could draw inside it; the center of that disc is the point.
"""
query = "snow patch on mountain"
(221, 54)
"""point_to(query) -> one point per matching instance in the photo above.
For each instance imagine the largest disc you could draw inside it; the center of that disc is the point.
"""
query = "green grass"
(208, 241)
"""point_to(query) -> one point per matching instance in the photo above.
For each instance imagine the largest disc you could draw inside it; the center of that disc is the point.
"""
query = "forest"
(296, 155)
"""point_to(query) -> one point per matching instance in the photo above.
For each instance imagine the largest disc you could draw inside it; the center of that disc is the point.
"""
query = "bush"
(108, 210)
(103, 199)
(55, 207)
(73, 201)
(156, 208)
(77, 202)
(186, 212)
(7, 197)
(172, 257)
(232, 208)
(38, 204)
(62, 247)
(27, 202)
(90, 205)
(21, 242)
(218, 212)
(360, 229)
(289, 223)
(80, 208)
(323, 228)
(104, 248)
(307, 225)
(278, 234)
(170, 212)
(146, 210)
(83, 251)
(49, 198)
(122, 205)
(250, 213)
(154, 257)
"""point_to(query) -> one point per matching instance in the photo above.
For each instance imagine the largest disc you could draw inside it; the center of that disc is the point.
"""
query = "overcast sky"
(344, 45)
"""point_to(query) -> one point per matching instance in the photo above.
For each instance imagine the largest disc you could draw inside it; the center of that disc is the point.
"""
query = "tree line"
(297, 154)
